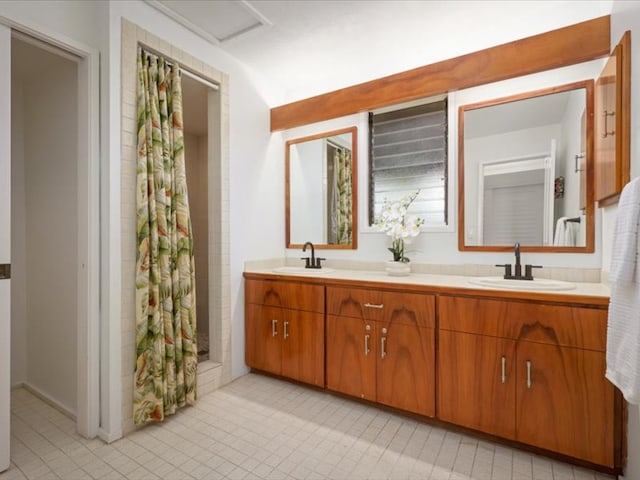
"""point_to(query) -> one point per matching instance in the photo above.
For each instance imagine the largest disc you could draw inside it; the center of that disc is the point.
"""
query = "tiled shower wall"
(218, 372)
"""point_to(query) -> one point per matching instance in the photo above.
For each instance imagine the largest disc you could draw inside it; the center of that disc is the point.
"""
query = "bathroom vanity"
(521, 365)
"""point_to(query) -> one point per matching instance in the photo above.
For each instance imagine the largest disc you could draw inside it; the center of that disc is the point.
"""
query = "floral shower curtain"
(342, 202)
(166, 352)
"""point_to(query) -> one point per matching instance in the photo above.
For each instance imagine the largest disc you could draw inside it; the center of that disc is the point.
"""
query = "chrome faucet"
(312, 262)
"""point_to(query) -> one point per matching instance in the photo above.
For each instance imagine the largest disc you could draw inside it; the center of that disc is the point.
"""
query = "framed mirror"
(321, 190)
(525, 171)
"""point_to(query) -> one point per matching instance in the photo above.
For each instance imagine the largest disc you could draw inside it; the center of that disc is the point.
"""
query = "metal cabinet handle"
(577, 158)
(379, 306)
(367, 328)
(528, 373)
(274, 327)
(504, 369)
(383, 343)
(606, 129)
(286, 329)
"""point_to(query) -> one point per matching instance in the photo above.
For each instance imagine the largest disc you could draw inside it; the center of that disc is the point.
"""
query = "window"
(408, 151)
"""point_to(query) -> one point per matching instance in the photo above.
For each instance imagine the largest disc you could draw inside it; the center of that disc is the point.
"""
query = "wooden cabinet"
(528, 371)
(564, 403)
(381, 347)
(477, 387)
(613, 124)
(523, 367)
(284, 329)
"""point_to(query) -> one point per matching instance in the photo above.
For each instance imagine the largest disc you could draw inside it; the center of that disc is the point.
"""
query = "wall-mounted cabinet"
(613, 124)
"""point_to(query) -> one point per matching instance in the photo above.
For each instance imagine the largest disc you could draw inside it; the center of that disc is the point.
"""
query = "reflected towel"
(623, 327)
(559, 234)
(567, 233)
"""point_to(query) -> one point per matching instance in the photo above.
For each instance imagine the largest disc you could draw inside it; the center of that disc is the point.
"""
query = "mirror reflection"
(321, 190)
(525, 171)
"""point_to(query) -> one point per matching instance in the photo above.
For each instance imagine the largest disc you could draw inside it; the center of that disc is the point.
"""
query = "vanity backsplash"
(592, 275)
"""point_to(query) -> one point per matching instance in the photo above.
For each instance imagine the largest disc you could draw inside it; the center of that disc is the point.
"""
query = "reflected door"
(516, 201)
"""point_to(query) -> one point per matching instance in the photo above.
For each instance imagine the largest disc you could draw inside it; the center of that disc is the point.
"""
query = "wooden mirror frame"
(588, 85)
(354, 189)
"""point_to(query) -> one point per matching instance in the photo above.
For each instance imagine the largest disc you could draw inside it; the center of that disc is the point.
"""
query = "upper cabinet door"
(613, 124)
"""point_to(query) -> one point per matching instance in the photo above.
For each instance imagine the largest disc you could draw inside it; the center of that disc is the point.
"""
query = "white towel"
(559, 234)
(624, 256)
(623, 327)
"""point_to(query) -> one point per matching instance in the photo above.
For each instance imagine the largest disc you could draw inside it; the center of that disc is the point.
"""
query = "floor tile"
(260, 428)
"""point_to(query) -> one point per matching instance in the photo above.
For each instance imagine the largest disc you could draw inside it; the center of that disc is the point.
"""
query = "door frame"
(5, 248)
(88, 274)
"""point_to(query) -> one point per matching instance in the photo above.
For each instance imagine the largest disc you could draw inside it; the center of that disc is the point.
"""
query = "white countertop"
(444, 281)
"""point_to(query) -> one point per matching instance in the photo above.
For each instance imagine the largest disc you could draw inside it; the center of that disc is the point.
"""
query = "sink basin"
(535, 284)
(303, 271)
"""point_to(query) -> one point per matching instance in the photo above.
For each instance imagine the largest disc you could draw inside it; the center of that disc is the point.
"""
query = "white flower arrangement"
(401, 228)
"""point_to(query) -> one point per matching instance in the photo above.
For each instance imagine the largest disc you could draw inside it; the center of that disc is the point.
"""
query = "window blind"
(408, 151)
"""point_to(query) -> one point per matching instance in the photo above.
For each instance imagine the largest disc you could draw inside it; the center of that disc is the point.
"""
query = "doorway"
(49, 164)
(44, 222)
(195, 99)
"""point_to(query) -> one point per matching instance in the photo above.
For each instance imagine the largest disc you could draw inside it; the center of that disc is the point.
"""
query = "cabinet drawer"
(404, 308)
(298, 296)
(536, 322)
(355, 302)
(409, 309)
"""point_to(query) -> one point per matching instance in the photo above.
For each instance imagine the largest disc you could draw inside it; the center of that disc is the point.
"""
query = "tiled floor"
(262, 428)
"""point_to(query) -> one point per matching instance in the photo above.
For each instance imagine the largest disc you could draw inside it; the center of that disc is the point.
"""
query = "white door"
(5, 247)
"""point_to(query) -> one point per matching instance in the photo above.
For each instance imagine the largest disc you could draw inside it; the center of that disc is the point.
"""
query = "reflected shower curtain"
(166, 353)
(342, 200)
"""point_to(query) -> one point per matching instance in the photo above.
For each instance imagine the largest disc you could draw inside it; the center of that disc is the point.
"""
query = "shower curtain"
(166, 352)
(342, 201)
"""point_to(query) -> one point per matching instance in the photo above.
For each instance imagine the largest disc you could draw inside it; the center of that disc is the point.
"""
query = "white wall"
(18, 240)
(626, 16)
(50, 153)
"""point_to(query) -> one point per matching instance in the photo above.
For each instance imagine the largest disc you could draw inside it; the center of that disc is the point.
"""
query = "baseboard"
(108, 437)
(49, 401)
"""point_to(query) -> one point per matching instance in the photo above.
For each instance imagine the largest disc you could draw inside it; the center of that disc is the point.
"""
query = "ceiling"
(307, 47)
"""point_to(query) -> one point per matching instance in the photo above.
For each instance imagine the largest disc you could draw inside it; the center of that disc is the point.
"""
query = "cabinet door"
(405, 377)
(302, 347)
(351, 356)
(406, 353)
(263, 331)
(612, 124)
(476, 382)
(564, 402)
